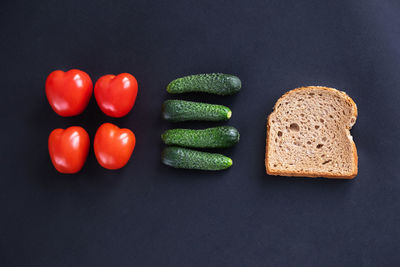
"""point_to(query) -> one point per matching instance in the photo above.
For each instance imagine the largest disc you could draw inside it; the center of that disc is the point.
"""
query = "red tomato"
(69, 148)
(116, 95)
(68, 92)
(113, 146)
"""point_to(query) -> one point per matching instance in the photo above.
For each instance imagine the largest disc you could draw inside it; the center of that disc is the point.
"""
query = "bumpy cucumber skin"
(213, 83)
(180, 110)
(185, 158)
(216, 137)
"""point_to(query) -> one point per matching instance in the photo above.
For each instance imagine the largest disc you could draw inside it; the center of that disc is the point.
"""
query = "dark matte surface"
(147, 214)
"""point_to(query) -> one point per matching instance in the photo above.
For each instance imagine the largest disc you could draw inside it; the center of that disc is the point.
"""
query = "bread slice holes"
(311, 94)
(324, 139)
(320, 94)
(323, 155)
(302, 115)
(316, 127)
(280, 133)
(309, 142)
(326, 162)
(330, 116)
(294, 127)
(321, 120)
(320, 145)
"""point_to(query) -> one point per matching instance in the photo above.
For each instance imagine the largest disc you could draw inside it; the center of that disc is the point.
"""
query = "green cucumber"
(213, 83)
(185, 158)
(216, 137)
(180, 110)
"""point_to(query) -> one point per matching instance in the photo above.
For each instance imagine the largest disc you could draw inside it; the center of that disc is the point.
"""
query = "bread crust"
(314, 174)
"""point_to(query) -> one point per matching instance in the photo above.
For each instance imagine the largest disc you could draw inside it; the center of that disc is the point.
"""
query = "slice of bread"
(308, 134)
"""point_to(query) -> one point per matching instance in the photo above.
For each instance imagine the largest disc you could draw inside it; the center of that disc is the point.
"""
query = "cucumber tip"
(235, 82)
(230, 163)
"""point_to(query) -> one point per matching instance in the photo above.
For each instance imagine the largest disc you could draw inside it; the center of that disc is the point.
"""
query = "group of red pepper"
(68, 94)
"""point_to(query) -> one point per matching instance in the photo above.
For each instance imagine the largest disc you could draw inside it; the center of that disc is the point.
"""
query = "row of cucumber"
(179, 154)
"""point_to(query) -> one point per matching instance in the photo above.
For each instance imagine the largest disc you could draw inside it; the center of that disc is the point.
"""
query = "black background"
(147, 214)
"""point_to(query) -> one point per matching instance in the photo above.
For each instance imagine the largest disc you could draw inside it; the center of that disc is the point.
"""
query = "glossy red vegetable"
(69, 148)
(113, 146)
(68, 92)
(116, 95)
